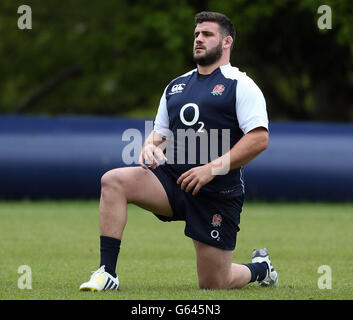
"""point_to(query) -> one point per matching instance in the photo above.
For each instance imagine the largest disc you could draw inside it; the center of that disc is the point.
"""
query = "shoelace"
(95, 272)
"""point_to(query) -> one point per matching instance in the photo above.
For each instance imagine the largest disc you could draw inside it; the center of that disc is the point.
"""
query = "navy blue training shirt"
(203, 116)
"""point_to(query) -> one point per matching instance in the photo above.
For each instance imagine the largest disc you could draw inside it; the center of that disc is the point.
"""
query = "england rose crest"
(216, 220)
(218, 90)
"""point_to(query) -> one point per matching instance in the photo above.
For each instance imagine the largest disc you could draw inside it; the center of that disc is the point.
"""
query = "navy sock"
(258, 270)
(109, 249)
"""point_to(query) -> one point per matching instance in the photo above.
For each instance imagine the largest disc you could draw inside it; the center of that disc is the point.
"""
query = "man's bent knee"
(214, 266)
(212, 283)
(225, 282)
(136, 185)
(112, 181)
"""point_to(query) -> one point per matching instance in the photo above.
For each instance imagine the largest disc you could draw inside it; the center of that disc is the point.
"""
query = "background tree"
(115, 57)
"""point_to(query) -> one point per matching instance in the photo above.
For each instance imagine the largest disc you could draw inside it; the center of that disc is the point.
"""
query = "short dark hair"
(226, 25)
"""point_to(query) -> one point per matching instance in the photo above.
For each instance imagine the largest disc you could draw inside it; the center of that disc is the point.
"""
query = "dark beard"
(210, 57)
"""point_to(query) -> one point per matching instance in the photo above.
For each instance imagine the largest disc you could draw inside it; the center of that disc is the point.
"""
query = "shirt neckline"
(205, 76)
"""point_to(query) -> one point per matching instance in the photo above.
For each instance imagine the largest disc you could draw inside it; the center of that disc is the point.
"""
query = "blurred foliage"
(116, 57)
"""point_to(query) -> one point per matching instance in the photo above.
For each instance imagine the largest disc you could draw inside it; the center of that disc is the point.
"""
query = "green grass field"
(59, 242)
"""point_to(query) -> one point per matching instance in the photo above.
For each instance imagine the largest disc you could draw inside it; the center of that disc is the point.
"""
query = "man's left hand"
(195, 178)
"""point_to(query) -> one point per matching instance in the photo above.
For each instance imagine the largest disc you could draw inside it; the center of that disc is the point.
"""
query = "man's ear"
(227, 42)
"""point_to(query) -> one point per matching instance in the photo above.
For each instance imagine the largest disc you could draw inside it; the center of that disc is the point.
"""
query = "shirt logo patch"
(218, 90)
(177, 88)
(216, 220)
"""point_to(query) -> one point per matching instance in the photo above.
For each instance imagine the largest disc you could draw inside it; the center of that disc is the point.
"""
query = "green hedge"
(116, 57)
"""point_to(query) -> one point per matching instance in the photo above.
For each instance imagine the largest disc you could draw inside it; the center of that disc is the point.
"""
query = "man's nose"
(198, 42)
(199, 39)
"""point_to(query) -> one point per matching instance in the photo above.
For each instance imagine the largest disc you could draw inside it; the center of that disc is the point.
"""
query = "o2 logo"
(194, 119)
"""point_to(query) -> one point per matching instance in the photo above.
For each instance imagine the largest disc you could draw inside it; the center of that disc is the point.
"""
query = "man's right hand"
(151, 155)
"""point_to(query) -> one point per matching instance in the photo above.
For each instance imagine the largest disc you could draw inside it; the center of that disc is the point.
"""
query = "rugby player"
(211, 121)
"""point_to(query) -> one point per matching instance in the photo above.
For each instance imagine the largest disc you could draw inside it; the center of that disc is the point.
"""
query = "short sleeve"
(161, 122)
(250, 105)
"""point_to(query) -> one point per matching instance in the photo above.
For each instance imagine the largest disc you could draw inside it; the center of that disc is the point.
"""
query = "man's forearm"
(154, 138)
(247, 148)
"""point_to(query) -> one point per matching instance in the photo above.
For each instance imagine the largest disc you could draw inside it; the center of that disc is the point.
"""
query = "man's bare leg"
(216, 270)
(129, 185)
(120, 187)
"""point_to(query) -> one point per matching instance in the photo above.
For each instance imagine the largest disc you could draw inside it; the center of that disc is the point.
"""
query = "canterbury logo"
(177, 88)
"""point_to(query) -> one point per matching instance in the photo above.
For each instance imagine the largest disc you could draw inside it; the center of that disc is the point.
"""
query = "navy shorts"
(208, 218)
